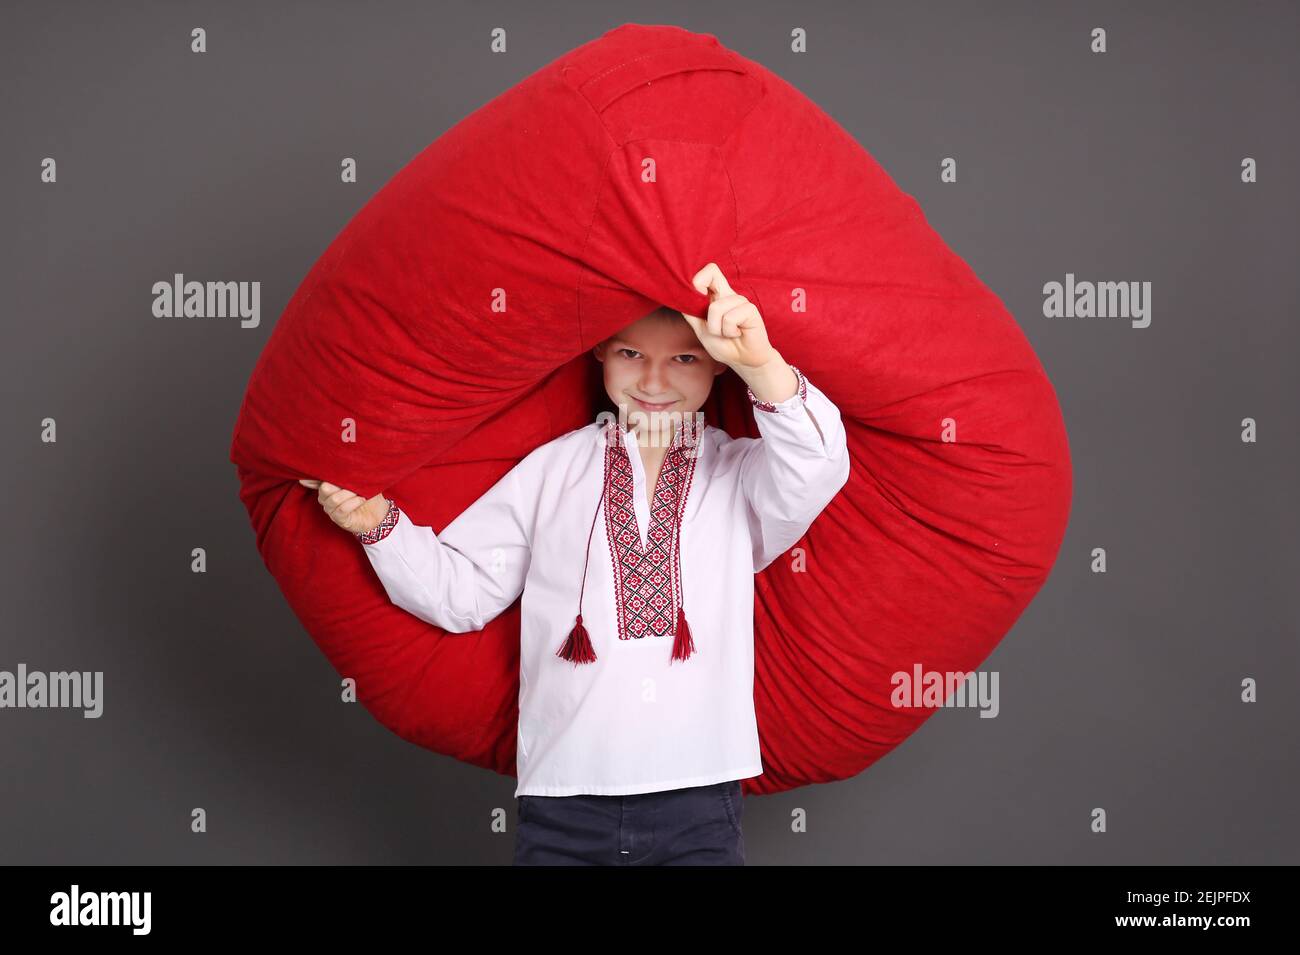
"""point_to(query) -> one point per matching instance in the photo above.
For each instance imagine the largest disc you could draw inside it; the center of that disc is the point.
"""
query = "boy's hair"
(666, 313)
(662, 313)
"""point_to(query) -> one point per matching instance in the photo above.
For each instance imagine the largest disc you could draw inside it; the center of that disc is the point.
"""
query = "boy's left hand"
(733, 333)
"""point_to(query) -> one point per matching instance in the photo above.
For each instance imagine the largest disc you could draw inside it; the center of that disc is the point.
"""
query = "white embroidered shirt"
(633, 720)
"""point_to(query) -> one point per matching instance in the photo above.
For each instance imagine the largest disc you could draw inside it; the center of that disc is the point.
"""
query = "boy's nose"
(654, 382)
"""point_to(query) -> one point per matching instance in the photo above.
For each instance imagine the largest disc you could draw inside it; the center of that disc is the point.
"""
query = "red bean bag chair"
(446, 332)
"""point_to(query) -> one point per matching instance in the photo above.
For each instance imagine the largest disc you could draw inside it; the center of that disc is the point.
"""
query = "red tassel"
(577, 648)
(683, 645)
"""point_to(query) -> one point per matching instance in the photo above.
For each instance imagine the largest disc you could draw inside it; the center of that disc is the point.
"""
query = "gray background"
(1118, 690)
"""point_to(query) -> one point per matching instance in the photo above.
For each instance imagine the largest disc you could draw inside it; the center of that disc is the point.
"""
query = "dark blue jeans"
(699, 825)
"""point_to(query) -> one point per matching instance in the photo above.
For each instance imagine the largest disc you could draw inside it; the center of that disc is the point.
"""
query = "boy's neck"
(671, 429)
(649, 440)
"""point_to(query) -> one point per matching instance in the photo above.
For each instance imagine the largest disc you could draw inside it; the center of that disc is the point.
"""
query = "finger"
(334, 500)
(740, 318)
(348, 506)
(710, 278)
(327, 491)
(728, 302)
(720, 307)
(702, 278)
(731, 324)
(720, 284)
(340, 514)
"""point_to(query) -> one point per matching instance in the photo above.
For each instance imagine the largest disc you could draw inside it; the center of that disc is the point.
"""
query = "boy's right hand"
(349, 511)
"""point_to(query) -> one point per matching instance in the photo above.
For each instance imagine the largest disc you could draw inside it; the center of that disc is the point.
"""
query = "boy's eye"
(633, 353)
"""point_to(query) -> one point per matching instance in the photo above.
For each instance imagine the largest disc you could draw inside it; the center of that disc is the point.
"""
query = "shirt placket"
(639, 503)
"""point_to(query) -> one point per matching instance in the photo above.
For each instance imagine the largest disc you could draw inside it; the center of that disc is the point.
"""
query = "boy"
(635, 726)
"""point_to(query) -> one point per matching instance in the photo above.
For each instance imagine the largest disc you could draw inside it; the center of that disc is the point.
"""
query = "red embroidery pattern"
(647, 583)
(385, 526)
(771, 406)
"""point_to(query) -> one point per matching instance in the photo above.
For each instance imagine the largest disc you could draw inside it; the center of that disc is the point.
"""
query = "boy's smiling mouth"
(652, 406)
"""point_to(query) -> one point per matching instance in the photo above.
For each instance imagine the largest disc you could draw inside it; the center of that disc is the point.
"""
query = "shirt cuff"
(799, 397)
(385, 526)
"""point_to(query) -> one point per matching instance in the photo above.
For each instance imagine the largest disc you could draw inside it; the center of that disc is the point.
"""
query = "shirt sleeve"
(793, 470)
(463, 578)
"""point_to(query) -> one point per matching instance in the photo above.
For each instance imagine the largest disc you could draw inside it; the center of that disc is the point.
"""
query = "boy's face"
(657, 364)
